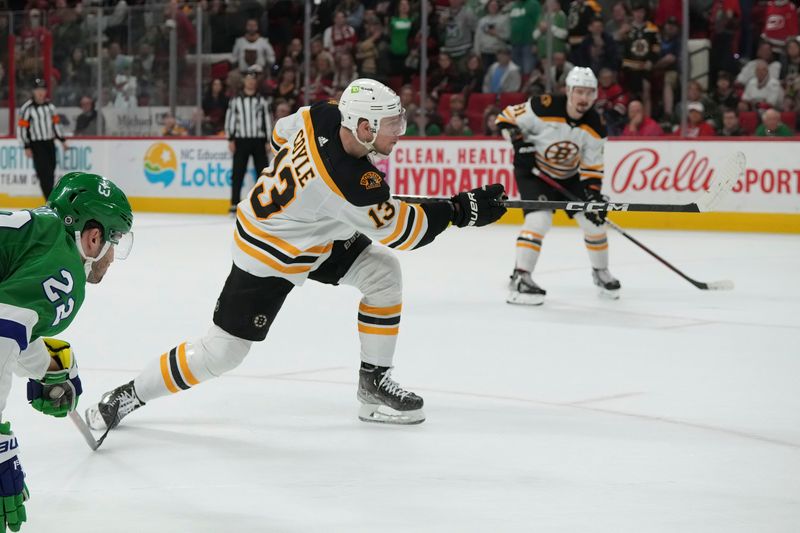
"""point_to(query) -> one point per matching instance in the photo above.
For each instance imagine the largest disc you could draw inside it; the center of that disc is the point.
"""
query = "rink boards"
(193, 176)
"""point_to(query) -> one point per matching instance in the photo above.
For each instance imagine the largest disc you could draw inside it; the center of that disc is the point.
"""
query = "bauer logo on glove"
(57, 393)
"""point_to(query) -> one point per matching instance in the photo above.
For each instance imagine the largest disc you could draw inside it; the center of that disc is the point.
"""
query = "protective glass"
(123, 243)
(395, 125)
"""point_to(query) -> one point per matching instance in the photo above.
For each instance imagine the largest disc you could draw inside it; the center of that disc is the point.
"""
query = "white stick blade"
(726, 177)
(84, 429)
(724, 285)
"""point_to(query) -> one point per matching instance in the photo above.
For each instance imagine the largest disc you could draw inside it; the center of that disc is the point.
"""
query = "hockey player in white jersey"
(309, 216)
(561, 138)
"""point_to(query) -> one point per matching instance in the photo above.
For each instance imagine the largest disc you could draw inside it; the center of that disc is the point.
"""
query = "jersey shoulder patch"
(359, 181)
(549, 105)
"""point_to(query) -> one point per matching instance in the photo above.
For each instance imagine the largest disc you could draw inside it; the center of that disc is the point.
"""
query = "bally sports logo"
(160, 164)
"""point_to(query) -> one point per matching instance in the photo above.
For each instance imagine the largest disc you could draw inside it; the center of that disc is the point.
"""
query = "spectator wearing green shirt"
(420, 123)
(524, 15)
(553, 19)
(399, 31)
(457, 126)
(771, 125)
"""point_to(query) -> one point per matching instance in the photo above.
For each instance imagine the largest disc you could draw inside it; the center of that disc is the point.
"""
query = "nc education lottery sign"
(157, 168)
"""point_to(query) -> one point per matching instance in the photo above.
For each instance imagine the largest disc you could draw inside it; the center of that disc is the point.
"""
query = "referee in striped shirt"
(246, 124)
(39, 125)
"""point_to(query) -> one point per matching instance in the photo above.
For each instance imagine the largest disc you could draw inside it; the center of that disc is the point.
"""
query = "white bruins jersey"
(314, 193)
(563, 146)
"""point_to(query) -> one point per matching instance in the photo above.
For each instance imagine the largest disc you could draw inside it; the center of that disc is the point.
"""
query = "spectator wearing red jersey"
(340, 37)
(640, 124)
(668, 9)
(780, 24)
(696, 125)
(612, 102)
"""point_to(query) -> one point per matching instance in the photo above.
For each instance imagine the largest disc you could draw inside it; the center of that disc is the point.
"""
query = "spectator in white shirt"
(763, 91)
(764, 53)
(252, 49)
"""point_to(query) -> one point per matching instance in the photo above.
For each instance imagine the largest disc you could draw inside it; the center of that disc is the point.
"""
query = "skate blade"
(520, 298)
(607, 294)
(383, 414)
(94, 419)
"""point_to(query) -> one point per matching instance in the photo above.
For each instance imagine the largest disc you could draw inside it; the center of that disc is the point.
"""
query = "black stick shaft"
(576, 206)
(560, 188)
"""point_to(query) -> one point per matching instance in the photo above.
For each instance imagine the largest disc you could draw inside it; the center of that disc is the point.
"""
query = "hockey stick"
(85, 431)
(575, 206)
(731, 172)
(57, 392)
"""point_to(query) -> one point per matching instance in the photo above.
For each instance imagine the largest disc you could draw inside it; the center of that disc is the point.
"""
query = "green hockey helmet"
(79, 197)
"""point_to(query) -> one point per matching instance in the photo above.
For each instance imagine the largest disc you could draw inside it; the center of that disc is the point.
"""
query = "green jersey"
(42, 278)
(524, 17)
(400, 28)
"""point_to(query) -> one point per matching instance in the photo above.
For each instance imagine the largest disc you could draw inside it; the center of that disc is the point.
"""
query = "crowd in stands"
(483, 55)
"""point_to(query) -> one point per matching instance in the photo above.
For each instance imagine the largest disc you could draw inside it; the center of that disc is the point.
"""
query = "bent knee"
(222, 351)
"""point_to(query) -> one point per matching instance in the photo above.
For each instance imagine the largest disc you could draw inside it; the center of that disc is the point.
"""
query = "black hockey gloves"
(477, 207)
(591, 191)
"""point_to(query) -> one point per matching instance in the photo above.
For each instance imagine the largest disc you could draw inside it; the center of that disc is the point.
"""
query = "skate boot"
(523, 290)
(383, 400)
(113, 407)
(609, 285)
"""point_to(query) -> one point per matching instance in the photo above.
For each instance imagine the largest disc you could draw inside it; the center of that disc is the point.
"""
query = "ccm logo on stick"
(594, 207)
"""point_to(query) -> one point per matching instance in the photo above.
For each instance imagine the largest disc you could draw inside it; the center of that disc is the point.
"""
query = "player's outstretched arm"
(406, 226)
(13, 491)
(57, 392)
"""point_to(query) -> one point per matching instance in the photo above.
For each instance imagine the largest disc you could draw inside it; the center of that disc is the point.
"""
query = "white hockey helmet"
(368, 99)
(581, 77)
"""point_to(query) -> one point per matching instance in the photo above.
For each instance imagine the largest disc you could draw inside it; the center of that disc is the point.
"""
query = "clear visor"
(123, 243)
(395, 125)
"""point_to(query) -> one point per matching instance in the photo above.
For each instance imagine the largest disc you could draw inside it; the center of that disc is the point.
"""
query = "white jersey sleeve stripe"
(400, 224)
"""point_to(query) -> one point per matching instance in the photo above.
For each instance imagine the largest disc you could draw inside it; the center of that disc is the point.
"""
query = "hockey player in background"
(561, 138)
(47, 255)
(309, 217)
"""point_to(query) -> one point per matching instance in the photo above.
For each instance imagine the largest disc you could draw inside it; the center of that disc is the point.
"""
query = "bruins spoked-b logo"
(260, 321)
(563, 152)
(371, 180)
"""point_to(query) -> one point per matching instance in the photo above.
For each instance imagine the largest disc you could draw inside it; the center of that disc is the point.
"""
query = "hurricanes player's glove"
(13, 491)
(56, 394)
(477, 207)
(592, 193)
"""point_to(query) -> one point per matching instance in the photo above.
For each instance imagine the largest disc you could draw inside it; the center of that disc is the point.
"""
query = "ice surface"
(671, 409)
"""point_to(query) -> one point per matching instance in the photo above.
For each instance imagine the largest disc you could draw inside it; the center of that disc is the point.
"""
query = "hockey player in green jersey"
(47, 255)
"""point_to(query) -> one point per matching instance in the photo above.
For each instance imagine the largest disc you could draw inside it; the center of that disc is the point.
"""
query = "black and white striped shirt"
(246, 117)
(39, 122)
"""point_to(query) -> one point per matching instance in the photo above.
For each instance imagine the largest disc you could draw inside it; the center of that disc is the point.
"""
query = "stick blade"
(84, 429)
(724, 285)
(727, 176)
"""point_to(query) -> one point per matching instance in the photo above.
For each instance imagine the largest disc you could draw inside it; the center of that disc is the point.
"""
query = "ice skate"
(113, 407)
(523, 290)
(608, 284)
(383, 400)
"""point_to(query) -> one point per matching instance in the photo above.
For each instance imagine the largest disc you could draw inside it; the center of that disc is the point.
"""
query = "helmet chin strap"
(87, 260)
